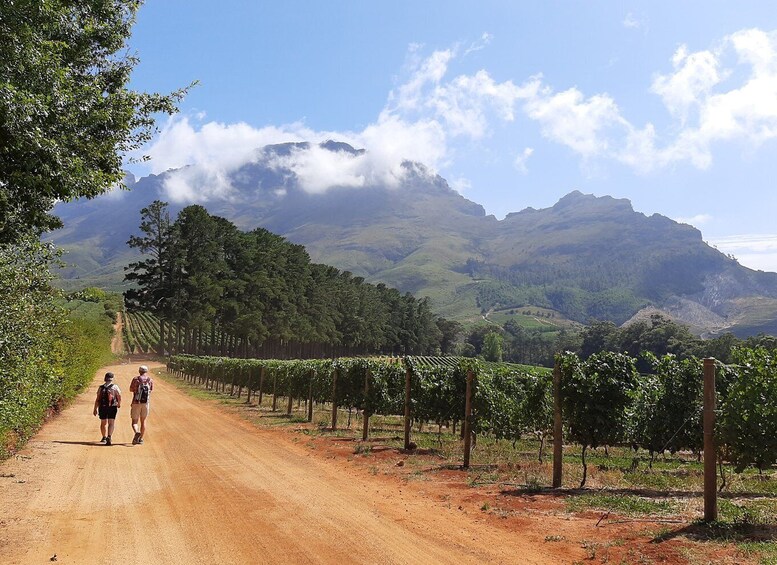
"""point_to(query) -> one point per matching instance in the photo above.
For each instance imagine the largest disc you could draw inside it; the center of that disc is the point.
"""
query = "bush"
(45, 357)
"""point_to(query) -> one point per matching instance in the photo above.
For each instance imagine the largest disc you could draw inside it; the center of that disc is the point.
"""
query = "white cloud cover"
(697, 220)
(631, 21)
(520, 160)
(757, 251)
(727, 93)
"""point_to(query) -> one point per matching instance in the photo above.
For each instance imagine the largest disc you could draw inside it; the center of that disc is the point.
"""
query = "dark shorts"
(107, 412)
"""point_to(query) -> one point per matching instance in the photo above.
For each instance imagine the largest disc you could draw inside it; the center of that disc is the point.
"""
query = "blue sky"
(672, 105)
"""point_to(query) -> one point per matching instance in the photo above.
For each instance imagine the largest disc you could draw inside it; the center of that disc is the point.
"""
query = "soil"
(208, 486)
(117, 344)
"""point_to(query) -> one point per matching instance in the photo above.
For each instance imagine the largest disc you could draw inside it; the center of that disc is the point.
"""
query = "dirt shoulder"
(208, 486)
(540, 515)
(117, 342)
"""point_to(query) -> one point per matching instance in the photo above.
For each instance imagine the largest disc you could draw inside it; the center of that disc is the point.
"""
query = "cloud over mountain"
(726, 93)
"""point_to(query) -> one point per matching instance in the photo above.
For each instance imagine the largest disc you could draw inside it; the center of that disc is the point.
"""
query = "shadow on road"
(91, 443)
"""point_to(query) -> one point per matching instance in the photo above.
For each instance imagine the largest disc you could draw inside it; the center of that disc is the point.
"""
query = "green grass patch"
(764, 551)
(758, 512)
(628, 505)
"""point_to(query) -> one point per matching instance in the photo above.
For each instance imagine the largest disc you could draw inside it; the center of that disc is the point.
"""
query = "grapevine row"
(605, 400)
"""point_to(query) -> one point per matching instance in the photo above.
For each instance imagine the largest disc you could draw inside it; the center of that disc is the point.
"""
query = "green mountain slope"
(583, 258)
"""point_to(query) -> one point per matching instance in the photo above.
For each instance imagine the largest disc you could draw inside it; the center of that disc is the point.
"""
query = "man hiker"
(141, 387)
(106, 405)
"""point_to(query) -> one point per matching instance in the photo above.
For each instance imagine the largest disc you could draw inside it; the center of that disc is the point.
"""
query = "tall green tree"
(155, 287)
(200, 260)
(67, 117)
(493, 347)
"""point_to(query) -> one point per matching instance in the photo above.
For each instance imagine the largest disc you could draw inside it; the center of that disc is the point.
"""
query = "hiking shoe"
(108, 440)
(135, 440)
(140, 441)
(103, 439)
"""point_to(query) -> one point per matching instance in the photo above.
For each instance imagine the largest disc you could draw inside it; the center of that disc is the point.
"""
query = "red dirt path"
(209, 487)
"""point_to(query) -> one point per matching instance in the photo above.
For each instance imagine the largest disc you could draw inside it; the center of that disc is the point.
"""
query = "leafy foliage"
(597, 394)
(605, 400)
(749, 423)
(668, 406)
(258, 289)
(47, 352)
(66, 114)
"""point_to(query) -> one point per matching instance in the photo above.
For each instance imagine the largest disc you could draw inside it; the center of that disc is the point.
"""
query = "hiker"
(106, 405)
(141, 387)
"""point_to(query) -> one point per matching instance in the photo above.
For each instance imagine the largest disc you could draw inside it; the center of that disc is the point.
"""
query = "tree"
(477, 336)
(598, 336)
(492, 347)
(67, 118)
(450, 330)
(154, 276)
(200, 265)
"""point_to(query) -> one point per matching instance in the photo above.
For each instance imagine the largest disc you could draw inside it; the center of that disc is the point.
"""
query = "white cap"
(143, 369)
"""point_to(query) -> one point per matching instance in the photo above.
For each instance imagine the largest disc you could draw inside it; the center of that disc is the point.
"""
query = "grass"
(532, 318)
(765, 552)
(625, 504)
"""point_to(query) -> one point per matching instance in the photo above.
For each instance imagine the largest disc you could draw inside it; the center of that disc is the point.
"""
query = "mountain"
(585, 257)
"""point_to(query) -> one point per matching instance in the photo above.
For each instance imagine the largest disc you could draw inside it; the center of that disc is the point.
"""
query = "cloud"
(460, 184)
(570, 119)
(482, 43)
(631, 21)
(726, 109)
(694, 77)
(206, 156)
(520, 160)
(726, 93)
(697, 220)
(757, 251)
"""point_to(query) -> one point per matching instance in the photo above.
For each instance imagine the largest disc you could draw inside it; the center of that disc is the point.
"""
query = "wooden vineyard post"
(334, 400)
(274, 392)
(407, 407)
(248, 386)
(310, 397)
(558, 440)
(710, 471)
(291, 396)
(261, 385)
(240, 384)
(468, 419)
(365, 413)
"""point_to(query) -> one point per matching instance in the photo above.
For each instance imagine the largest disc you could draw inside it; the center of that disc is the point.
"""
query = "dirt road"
(208, 487)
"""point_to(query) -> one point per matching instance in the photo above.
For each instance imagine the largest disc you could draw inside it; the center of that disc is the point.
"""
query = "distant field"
(532, 318)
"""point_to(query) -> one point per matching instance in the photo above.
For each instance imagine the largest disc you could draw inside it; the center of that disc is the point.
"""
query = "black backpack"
(107, 395)
(144, 389)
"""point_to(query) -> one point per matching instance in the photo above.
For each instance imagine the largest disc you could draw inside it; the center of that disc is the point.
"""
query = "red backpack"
(107, 395)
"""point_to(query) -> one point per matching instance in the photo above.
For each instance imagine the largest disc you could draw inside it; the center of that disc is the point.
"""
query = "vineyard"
(605, 402)
(140, 332)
